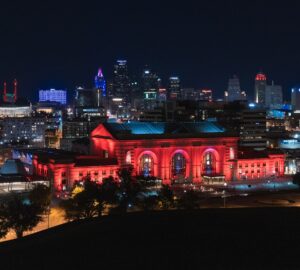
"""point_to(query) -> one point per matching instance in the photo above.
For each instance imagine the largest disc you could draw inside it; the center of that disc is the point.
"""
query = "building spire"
(15, 90)
(4, 92)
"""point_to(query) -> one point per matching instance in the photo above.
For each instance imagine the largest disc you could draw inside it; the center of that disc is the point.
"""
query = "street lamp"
(224, 196)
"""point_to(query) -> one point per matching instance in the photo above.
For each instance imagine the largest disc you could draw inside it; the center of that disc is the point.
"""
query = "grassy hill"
(263, 238)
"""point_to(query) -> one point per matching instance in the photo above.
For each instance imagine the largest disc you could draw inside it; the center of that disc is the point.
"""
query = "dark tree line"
(92, 199)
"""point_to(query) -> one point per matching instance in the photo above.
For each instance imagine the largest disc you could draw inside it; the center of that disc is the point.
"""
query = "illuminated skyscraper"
(234, 90)
(100, 82)
(296, 98)
(273, 95)
(150, 86)
(174, 88)
(260, 88)
(121, 81)
(205, 95)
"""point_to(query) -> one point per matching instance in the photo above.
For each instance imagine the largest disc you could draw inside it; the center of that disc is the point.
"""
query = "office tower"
(150, 86)
(273, 95)
(253, 128)
(88, 103)
(53, 95)
(121, 81)
(174, 88)
(260, 88)
(296, 98)
(188, 94)
(100, 83)
(234, 90)
(205, 95)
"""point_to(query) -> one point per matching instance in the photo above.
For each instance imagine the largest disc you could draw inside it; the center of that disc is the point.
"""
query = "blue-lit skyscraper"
(100, 82)
(53, 95)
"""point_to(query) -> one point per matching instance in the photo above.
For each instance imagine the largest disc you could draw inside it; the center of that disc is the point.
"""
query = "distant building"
(53, 95)
(273, 95)
(205, 95)
(234, 91)
(150, 86)
(296, 98)
(253, 128)
(260, 88)
(188, 94)
(100, 83)
(76, 129)
(121, 81)
(174, 88)
(29, 131)
(89, 103)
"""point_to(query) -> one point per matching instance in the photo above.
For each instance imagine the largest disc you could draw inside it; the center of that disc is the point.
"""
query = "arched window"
(178, 165)
(128, 157)
(146, 165)
(209, 163)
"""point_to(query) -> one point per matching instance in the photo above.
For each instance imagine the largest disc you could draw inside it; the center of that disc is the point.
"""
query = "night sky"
(61, 45)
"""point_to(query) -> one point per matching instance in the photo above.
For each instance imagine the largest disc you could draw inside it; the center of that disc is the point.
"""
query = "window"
(96, 173)
(63, 174)
(209, 163)
(128, 157)
(111, 172)
(80, 174)
(104, 172)
(231, 153)
(178, 165)
(105, 153)
(146, 165)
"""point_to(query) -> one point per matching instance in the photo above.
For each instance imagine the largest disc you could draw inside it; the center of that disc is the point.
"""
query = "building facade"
(260, 88)
(192, 152)
(273, 95)
(53, 95)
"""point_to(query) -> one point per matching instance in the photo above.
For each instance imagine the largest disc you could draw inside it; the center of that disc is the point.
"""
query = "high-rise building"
(53, 95)
(174, 88)
(150, 86)
(100, 82)
(88, 103)
(253, 128)
(296, 98)
(234, 90)
(260, 88)
(273, 95)
(121, 81)
(205, 95)
(188, 94)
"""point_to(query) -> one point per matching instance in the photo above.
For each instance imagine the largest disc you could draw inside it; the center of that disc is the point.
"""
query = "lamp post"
(224, 196)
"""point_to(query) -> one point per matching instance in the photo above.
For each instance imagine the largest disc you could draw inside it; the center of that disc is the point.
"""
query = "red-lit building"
(197, 152)
(194, 152)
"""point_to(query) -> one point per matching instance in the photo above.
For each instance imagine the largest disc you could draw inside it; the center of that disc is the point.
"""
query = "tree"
(148, 202)
(22, 213)
(166, 197)
(40, 196)
(129, 188)
(3, 221)
(85, 204)
(189, 200)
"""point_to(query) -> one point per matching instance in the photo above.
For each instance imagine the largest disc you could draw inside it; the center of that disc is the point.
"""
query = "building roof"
(250, 153)
(162, 129)
(47, 155)
(13, 167)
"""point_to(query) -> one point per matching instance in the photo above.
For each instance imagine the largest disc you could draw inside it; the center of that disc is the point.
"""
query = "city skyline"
(213, 41)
